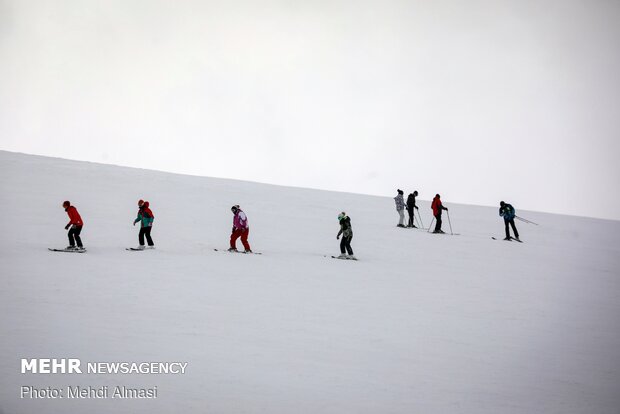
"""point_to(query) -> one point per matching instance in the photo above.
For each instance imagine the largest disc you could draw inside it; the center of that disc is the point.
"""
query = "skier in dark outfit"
(508, 212)
(76, 224)
(145, 217)
(347, 234)
(438, 207)
(410, 206)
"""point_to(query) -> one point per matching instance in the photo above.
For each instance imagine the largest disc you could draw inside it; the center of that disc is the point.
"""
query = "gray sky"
(478, 100)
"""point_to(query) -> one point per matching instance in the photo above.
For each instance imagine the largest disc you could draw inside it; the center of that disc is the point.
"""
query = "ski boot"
(232, 250)
(342, 256)
(247, 251)
(150, 247)
(70, 248)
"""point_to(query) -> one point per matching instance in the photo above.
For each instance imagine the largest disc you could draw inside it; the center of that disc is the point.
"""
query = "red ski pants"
(243, 233)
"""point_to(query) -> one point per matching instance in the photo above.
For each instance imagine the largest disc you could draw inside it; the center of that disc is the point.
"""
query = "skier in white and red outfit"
(240, 229)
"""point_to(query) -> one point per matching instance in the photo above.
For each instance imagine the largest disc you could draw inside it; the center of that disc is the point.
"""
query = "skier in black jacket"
(410, 206)
(508, 212)
(347, 234)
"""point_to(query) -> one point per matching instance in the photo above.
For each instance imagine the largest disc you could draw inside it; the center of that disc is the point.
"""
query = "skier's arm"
(71, 219)
(137, 219)
(339, 233)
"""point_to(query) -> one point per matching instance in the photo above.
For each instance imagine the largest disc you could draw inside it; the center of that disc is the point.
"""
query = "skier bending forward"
(347, 234)
(507, 211)
(240, 229)
(76, 224)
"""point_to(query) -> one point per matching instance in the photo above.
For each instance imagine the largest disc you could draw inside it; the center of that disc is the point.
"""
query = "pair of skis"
(343, 258)
(67, 250)
(235, 251)
(510, 239)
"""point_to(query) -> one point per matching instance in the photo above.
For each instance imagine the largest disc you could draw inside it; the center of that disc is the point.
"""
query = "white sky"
(477, 100)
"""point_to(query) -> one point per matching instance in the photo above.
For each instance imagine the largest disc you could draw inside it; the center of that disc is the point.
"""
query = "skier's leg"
(348, 245)
(76, 234)
(233, 239)
(438, 222)
(401, 217)
(71, 240)
(141, 235)
(514, 228)
(410, 212)
(343, 243)
(147, 233)
(244, 239)
(506, 223)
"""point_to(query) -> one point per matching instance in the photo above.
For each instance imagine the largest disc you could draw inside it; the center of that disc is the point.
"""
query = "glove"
(67, 226)
(417, 208)
(338, 237)
(446, 208)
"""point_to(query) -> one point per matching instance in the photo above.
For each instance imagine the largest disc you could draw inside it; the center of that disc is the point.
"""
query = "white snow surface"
(421, 324)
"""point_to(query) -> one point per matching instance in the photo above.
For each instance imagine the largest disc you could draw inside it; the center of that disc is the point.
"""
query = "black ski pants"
(145, 231)
(438, 220)
(411, 218)
(74, 236)
(514, 228)
(345, 244)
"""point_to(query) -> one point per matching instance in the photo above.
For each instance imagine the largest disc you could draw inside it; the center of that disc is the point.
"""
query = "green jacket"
(145, 215)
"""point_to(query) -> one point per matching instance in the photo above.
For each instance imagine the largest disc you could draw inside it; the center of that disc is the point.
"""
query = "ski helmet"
(66, 204)
(140, 202)
(234, 208)
(342, 216)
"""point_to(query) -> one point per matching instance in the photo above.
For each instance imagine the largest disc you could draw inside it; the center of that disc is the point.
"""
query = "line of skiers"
(145, 217)
(241, 228)
(411, 206)
(506, 211)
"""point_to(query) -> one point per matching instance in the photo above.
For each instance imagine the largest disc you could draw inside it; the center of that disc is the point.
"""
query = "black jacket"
(411, 201)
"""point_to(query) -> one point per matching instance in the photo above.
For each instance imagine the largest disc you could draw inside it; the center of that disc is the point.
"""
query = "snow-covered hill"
(421, 324)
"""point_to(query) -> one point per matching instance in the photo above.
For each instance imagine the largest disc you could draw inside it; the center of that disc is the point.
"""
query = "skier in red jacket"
(438, 207)
(76, 224)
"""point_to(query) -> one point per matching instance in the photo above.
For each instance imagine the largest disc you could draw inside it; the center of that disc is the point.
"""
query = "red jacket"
(74, 216)
(436, 206)
(147, 210)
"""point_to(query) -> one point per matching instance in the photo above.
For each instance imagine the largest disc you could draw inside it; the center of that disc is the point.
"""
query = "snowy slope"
(421, 324)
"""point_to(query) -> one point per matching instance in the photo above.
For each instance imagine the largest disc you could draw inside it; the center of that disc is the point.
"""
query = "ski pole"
(420, 220)
(429, 227)
(448, 213)
(527, 221)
